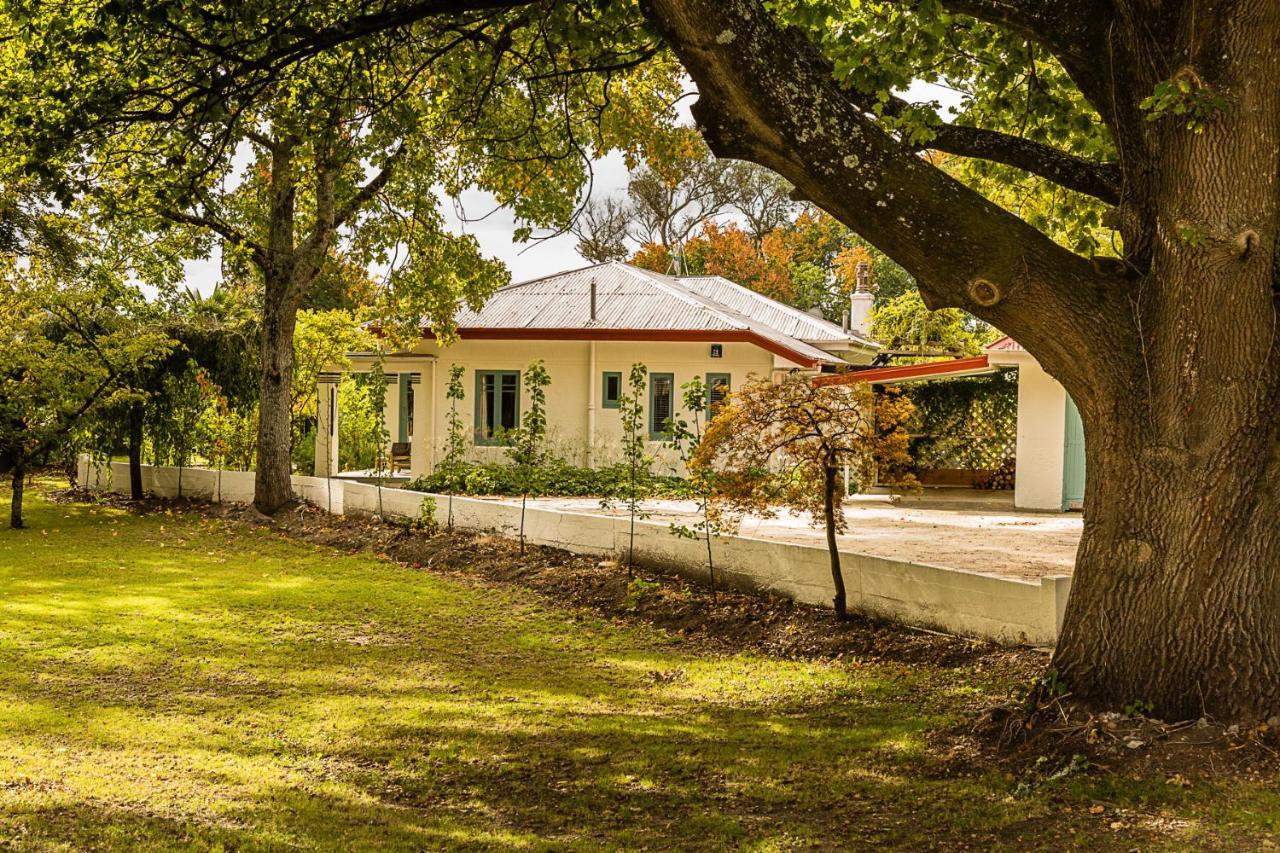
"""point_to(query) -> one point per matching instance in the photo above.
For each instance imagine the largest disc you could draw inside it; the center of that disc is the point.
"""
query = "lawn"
(173, 681)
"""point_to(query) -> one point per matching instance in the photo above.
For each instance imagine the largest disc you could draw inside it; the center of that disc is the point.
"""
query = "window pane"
(662, 393)
(487, 404)
(611, 389)
(507, 410)
(717, 390)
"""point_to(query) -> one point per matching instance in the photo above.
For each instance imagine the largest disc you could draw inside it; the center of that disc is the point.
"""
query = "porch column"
(420, 437)
(391, 412)
(326, 454)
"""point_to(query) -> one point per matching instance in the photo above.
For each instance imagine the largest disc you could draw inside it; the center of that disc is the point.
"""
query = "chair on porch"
(399, 456)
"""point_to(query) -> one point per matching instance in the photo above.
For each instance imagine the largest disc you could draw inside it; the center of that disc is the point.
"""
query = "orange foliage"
(846, 266)
(729, 251)
(652, 256)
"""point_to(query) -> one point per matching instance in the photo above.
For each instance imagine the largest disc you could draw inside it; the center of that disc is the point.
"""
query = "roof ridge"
(516, 284)
(791, 309)
(673, 287)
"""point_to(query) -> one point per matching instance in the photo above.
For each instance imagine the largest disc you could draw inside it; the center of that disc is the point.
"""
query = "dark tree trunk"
(273, 488)
(829, 489)
(1176, 598)
(15, 504)
(135, 451)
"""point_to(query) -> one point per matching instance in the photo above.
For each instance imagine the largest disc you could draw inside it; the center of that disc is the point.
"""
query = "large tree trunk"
(1176, 598)
(273, 487)
(15, 503)
(135, 451)
(833, 549)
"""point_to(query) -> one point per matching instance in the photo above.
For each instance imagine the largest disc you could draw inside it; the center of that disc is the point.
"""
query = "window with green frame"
(497, 404)
(717, 391)
(662, 404)
(611, 389)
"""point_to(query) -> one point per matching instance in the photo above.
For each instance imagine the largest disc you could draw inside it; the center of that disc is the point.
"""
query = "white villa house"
(589, 326)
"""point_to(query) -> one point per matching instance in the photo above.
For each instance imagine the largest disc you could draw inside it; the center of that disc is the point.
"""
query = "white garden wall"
(969, 603)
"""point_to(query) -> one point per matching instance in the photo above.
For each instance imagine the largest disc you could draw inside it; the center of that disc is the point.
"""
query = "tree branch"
(769, 96)
(1100, 180)
(329, 218)
(222, 229)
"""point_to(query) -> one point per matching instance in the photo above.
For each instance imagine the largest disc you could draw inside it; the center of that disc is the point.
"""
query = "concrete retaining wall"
(1004, 609)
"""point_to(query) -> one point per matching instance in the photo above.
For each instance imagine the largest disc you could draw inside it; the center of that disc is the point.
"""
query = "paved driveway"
(977, 531)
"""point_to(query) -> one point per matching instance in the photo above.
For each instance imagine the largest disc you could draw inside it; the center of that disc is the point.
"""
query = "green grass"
(168, 681)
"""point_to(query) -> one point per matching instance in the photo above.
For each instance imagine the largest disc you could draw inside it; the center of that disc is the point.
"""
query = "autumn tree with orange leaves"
(787, 445)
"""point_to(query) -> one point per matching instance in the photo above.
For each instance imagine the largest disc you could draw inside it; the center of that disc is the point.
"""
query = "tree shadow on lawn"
(235, 688)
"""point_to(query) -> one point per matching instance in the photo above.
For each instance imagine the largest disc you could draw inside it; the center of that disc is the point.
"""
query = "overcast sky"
(534, 259)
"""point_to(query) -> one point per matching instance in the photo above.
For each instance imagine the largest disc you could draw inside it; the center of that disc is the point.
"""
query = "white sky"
(534, 259)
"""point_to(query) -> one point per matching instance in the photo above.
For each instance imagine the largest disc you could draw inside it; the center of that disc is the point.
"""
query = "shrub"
(555, 479)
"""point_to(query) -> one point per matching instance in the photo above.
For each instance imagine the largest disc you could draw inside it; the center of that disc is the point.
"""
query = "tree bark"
(15, 503)
(282, 293)
(1176, 596)
(273, 488)
(135, 452)
(829, 514)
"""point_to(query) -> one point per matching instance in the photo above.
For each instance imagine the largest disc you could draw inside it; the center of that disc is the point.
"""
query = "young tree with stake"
(785, 444)
(525, 444)
(455, 445)
(631, 411)
(686, 440)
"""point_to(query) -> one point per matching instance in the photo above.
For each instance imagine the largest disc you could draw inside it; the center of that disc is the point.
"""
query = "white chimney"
(861, 300)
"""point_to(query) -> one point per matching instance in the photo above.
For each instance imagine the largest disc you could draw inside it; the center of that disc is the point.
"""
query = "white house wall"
(1042, 413)
(574, 386)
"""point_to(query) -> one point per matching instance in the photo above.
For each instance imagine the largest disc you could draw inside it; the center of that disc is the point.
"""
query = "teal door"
(1073, 460)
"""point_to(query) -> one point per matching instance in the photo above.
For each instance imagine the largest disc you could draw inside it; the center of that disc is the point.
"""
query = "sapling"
(631, 410)
(685, 440)
(455, 437)
(526, 444)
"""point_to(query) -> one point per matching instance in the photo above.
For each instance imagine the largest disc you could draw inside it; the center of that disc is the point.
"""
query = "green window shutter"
(611, 389)
(1073, 464)
(662, 400)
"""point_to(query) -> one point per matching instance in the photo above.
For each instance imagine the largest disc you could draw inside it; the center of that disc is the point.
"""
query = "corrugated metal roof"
(627, 297)
(785, 318)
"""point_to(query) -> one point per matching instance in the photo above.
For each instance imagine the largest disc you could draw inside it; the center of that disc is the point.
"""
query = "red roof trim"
(930, 369)
(712, 335)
